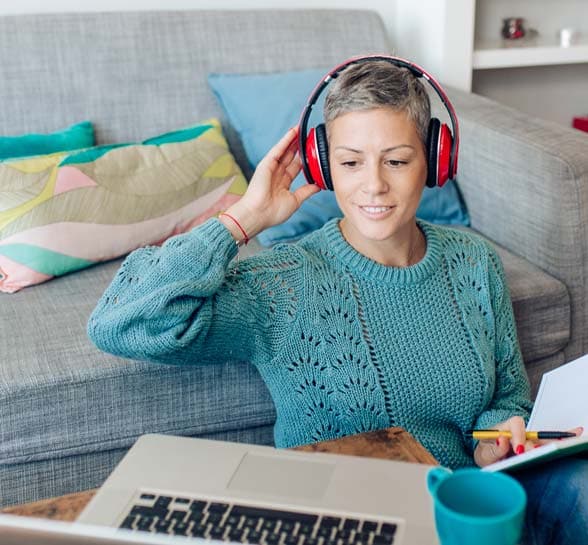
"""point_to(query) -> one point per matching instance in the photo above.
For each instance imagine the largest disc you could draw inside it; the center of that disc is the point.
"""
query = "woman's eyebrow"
(393, 148)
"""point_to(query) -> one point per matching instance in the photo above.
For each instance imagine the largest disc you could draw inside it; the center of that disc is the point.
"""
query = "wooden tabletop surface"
(390, 443)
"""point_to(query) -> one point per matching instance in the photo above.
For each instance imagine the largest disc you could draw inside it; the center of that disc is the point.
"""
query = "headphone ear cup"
(439, 143)
(313, 161)
(432, 147)
(322, 147)
(444, 155)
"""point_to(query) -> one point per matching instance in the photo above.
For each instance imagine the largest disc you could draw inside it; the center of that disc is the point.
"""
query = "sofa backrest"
(138, 74)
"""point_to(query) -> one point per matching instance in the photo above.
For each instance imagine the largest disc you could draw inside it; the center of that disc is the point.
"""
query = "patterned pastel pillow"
(67, 211)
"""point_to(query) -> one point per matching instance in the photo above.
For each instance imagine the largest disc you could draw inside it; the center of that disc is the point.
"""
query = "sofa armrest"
(525, 183)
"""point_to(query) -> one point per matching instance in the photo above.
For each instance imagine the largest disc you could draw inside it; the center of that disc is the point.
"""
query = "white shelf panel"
(508, 55)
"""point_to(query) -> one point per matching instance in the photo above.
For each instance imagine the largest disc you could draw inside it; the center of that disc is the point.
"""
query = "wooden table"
(390, 443)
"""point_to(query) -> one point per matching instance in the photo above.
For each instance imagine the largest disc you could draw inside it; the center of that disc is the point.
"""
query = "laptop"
(170, 487)
(17, 530)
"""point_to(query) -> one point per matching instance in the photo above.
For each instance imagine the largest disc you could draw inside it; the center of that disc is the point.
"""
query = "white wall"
(421, 34)
(418, 33)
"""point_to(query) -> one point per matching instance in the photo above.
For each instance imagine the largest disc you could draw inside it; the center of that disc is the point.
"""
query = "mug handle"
(435, 477)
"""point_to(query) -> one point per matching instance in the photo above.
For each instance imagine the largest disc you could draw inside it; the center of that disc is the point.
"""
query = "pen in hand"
(530, 435)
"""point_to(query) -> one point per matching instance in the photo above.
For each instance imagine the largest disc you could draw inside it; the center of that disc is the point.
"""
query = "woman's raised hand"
(268, 200)
(490, 451)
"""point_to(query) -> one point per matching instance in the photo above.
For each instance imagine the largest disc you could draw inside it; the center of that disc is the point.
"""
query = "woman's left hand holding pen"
(490, 451)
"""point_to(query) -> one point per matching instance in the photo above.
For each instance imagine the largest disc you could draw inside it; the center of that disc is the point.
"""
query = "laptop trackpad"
(282, 476)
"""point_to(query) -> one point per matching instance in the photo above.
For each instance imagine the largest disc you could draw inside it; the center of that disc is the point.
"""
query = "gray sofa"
(68, 412)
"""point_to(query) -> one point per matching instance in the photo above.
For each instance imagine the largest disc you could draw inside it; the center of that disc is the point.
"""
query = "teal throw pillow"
(80, 135)
(262, 107)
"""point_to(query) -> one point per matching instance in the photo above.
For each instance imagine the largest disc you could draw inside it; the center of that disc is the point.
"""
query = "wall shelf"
(502, 54)
(460, 43)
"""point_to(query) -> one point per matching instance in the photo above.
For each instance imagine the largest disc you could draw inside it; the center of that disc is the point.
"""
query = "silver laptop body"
(19, 530)
(251, 478)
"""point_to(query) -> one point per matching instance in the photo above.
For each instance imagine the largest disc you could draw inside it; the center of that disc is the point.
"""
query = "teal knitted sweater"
(344, 344)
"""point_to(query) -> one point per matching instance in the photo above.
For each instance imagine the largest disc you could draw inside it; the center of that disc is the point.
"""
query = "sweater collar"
(371, 269)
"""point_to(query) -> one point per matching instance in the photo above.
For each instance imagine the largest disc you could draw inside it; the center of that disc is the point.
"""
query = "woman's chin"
(369, 231)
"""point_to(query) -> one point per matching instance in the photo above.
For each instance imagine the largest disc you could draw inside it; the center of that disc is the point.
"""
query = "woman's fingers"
(534, 444)
(517, 441)
(516, 426)
(302, 193)
(502, 448)
(290, 156)
(488, 452)
(294, 167)
(270, 170)
(276, 156)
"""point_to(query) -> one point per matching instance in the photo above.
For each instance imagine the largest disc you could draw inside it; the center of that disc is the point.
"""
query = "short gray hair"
(376, 84)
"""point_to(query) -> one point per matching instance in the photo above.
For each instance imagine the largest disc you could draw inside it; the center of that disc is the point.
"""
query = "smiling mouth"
(376, 209)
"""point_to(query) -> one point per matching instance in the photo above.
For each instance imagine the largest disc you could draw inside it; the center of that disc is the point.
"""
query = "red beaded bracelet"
(245, 237)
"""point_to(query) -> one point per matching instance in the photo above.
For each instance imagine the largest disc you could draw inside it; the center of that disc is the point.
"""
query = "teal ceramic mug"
(476, 507)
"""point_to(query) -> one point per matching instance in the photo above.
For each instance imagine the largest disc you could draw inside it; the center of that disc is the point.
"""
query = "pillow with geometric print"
(66, 211)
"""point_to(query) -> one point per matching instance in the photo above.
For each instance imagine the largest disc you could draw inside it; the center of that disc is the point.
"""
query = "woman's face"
(379, 169)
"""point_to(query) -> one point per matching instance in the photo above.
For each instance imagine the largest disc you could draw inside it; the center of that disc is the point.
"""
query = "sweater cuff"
(214, 234)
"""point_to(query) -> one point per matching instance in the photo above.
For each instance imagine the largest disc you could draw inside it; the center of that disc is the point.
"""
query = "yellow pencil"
(531, 435)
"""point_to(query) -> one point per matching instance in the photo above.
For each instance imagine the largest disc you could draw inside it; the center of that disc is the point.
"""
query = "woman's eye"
(395, 163)
(350, 164)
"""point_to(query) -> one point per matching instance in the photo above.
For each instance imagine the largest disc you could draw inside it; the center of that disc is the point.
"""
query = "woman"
(377, 319)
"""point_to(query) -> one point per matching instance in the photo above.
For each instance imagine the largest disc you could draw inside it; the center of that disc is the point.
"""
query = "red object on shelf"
(581, 123)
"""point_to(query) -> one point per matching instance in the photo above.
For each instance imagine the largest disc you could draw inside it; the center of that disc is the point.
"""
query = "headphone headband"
(415, 69)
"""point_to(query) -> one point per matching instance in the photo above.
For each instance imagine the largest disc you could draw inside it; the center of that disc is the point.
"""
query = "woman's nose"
(375, 181)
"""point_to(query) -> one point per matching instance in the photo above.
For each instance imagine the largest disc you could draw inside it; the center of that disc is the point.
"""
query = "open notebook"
(561, 404)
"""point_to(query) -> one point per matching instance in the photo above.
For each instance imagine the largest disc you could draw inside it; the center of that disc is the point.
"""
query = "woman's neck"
(404, 250)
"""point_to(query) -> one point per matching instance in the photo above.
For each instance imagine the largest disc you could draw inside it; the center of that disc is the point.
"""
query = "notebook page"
(562, 400)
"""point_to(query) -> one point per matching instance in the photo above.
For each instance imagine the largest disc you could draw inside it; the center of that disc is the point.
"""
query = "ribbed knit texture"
(344, 344)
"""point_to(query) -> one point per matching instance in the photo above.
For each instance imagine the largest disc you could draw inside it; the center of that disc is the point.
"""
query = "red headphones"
(442, 143)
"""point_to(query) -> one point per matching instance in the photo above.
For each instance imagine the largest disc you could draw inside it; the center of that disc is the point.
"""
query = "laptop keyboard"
(254, 525)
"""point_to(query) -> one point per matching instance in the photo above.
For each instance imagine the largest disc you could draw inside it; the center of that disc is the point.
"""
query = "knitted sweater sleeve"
(511, 392)
(187, 303)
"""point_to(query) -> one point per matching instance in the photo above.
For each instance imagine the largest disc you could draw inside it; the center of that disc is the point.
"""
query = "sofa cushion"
(63, 212)
(61, 396)
(80, 135)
